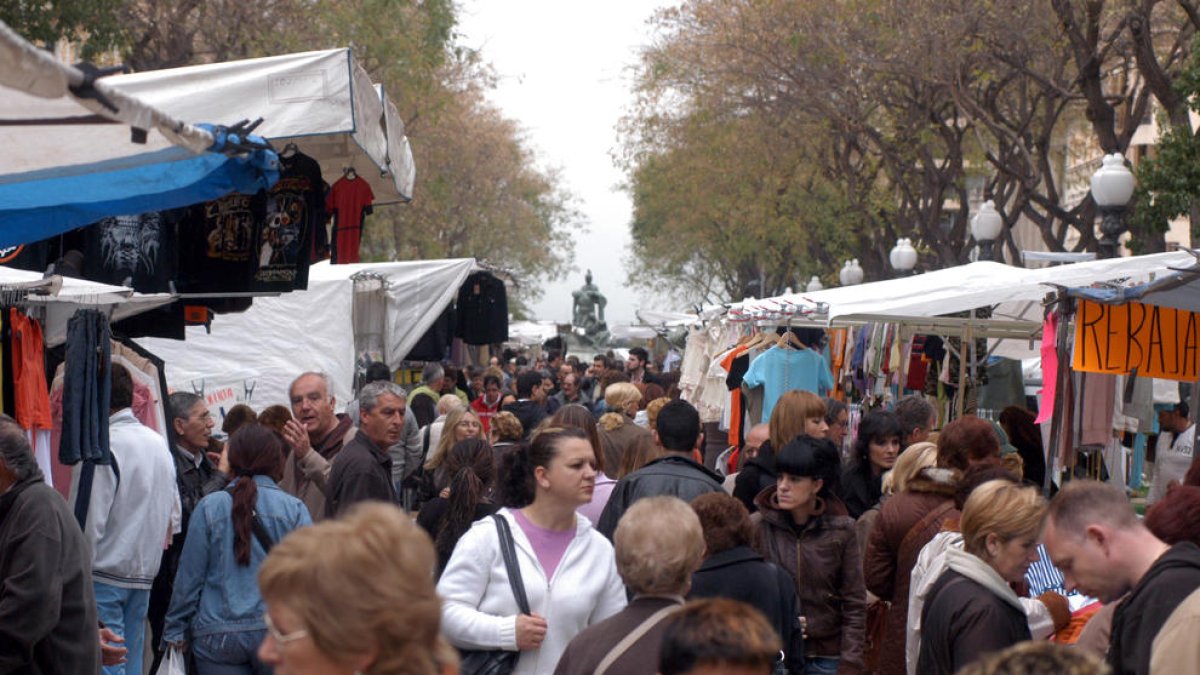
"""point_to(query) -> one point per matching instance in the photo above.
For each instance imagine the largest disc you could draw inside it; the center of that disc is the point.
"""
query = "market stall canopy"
(255, 355)
(60, 297)
(1178, 290)
(962, 288)
(322, 101)
(68, 158)
(531, 332)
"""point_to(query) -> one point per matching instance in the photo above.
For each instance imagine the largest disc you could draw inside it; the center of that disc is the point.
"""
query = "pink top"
(593, 509)
(548, 545)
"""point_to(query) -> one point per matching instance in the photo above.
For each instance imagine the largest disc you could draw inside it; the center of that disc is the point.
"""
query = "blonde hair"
(506, 427)
(447, 439)
(659, 544)
(362, 584)
(652, 409)
(447, 403)
(793, 409)
(1002, 508)
(620, 394)
(910, 462)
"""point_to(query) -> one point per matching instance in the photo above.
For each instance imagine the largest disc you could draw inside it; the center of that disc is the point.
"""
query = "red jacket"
(485, 412)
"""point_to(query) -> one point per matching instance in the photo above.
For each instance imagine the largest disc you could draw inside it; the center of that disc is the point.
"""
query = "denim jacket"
(214, 594)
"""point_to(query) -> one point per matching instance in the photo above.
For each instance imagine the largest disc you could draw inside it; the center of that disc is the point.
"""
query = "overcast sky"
(564, 76)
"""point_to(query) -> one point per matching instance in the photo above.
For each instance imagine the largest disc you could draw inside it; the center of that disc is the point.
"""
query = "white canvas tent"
(253, 356)
(59, 297)
(322, 101)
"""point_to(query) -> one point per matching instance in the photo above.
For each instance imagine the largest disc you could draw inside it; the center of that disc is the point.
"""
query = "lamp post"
(985, 228)
(814, 284)
(851, 273)
(1112, 187)
(903, 257)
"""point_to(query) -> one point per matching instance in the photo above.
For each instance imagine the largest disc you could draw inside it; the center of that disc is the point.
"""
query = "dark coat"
(673, 475)
(887, 569)
(822, 557)
(47, 608)
(742, 574)
(756, 475)
(963, 621)
(1168, 582)
(592, 645)
(360, 472)
(859, 489)
(529, 412)
(433, 514)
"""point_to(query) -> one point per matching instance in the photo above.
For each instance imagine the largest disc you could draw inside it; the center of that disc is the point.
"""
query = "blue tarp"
(41, 204)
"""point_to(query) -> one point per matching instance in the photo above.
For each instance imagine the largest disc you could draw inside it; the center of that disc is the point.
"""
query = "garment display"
(33, 257)
(294, 212)
(482, 310)
(218, 252)
(86, 383)
(32, 404)
(137, 250)
(781, 369)
(434, 345)
(349, 200)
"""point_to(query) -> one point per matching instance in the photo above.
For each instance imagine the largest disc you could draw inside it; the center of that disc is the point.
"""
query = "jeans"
(124, 611)
(820, 665)
(230, 653)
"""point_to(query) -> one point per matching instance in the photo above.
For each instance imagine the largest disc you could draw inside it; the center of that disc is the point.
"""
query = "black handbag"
(499, 661)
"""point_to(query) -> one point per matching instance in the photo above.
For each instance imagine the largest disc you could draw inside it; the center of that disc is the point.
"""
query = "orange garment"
(32, 404)
(838, 340)
(735, 397)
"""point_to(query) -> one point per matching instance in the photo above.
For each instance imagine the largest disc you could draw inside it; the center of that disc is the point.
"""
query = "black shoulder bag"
(499, 661)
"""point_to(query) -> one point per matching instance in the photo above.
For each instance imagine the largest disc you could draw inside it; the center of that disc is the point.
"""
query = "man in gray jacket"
(47, 611)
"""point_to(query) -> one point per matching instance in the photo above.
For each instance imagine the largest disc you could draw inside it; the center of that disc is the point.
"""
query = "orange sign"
(1156, 341)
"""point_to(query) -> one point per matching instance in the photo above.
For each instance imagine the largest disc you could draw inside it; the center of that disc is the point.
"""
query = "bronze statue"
(588, 311)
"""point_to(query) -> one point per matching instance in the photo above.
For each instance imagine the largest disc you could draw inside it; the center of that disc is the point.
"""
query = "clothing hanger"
(349, 173)
(289, 150)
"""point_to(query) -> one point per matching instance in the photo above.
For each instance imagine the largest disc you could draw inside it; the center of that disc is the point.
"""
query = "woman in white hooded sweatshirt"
(568, 569)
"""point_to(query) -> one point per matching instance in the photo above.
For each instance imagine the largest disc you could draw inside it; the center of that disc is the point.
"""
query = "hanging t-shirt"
(780, 370)
(294, 211)
(138, 250)
(216, 240)
(32, 404)
(482, 310)
(33, 257)
(348, 200)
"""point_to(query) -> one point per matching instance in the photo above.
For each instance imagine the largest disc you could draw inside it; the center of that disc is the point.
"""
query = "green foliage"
(94, 24)
(1168, 184)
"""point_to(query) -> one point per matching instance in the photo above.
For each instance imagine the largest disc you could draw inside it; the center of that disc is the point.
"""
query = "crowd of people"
(554, 515)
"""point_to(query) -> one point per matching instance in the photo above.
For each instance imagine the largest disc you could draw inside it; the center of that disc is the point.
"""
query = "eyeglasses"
(281, 638)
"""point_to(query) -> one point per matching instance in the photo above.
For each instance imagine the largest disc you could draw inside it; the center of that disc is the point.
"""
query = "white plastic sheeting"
(64, 295)
(255, 355)
(965, 287)
(322, 101)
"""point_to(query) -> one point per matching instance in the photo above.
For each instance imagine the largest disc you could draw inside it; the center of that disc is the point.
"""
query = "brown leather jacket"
(823, 558)
(887, 566)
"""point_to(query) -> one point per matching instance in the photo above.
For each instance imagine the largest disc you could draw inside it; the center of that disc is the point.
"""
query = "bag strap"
(256, 527)
(925, 522)
(636, 634)
(509, 552)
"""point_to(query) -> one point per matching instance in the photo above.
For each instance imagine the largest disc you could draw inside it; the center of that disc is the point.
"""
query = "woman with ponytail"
(471, 466)
(567, 568)
(216, 610)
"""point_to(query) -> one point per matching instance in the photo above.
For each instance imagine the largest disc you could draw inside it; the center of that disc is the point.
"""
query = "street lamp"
(1112, 187)
(851, 273)
(986, 227)
(814, 285)
(903, 257)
